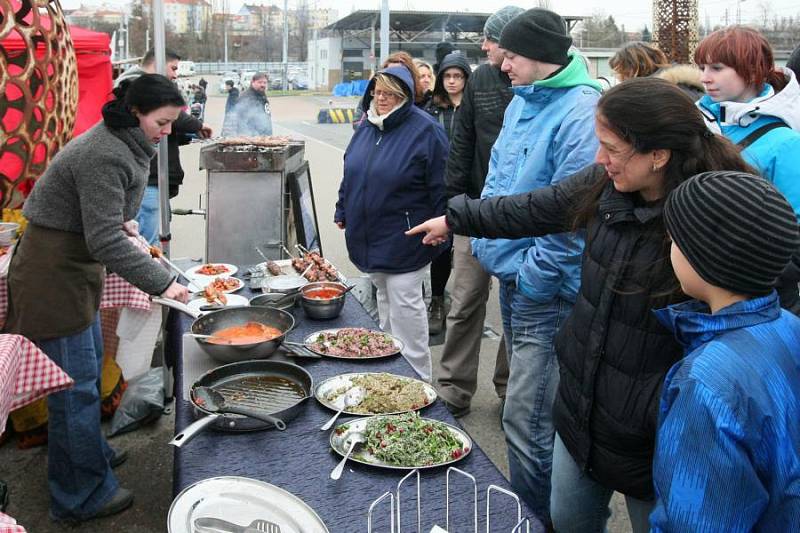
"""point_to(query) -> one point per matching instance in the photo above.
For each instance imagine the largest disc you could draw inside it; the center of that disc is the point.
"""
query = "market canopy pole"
(384, 31)
(159, 42)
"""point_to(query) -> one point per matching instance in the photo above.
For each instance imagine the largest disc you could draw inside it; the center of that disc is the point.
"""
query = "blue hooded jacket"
(776, 155)
(547, 135)
(728, 445)
(393, 180)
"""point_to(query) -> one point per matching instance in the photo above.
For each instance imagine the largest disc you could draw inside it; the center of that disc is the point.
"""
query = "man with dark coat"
(478, 123)
(251, 114)
(148, 217)
(233, 96)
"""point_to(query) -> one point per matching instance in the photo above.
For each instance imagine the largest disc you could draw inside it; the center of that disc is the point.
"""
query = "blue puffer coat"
(393, 180)
(547, 135)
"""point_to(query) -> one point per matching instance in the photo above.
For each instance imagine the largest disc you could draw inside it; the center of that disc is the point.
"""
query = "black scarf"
(117, 115)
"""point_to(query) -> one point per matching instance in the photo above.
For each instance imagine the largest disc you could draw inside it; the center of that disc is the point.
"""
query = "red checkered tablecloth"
(26, 374)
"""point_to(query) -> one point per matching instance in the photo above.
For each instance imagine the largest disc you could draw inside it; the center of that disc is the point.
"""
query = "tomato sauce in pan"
(248, 333)
(322, 294)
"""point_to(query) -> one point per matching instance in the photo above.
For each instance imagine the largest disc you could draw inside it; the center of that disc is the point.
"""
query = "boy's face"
(691, 282)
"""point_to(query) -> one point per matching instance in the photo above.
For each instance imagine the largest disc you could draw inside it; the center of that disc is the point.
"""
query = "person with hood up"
(757, 107)
(393, 180)
(547, 135)
(442, 106)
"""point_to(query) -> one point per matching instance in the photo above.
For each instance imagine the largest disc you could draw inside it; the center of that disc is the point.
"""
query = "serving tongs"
(158, 253)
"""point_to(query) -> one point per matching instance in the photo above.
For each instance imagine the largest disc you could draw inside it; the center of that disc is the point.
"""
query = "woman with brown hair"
(613, 354)
(637, 60)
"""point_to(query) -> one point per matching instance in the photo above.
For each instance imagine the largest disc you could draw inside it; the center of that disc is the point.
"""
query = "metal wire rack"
(523, 524)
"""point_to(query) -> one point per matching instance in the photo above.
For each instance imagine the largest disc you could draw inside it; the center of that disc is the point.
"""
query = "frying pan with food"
(274, 389)
(228, 317)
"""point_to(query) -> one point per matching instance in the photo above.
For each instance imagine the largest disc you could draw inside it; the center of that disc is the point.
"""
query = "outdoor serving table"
(300, 460)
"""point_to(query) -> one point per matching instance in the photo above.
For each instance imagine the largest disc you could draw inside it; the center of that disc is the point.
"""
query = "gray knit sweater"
(91, 187)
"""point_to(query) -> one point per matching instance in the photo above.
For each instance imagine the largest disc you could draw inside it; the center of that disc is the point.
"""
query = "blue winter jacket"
(776, 155)
(547, 135)
(393, 180)
(728, 445)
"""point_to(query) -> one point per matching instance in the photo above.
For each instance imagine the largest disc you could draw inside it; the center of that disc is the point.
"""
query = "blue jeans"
(148, 215)
(578, 503)
(532, 385)
(78, 470)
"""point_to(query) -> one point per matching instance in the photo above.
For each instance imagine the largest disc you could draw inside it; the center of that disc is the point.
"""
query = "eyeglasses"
(455, 76)
(384, 94)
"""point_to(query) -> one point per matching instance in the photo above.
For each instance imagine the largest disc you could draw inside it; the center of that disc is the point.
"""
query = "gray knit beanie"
(735, 229)
(495, 23)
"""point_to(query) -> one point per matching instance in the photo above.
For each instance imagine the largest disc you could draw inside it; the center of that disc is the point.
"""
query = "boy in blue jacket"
(728, 445)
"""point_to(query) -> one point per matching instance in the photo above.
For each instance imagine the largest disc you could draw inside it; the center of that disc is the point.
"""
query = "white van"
(185, 68)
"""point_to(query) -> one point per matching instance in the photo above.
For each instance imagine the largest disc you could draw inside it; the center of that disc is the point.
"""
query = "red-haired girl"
(754, 104)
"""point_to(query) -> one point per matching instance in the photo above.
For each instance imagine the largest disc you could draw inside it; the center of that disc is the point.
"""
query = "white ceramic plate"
(241, 500)
(330, 385)
(234, 300)
(198, 284)
(232, 269)
(340, 442)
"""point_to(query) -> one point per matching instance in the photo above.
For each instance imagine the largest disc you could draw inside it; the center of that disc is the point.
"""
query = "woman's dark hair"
(652, 114)
(637, 60)
(148, 92)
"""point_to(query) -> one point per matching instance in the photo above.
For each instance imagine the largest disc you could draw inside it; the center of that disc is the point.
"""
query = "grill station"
(249, 203)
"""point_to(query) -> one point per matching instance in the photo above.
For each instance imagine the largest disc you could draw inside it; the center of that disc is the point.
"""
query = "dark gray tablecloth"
(300, 460)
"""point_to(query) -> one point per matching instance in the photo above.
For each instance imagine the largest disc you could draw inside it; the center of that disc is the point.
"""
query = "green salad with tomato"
(411, 441)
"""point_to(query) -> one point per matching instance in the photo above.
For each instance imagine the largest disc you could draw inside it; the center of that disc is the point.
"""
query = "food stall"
(250, 183)
(255, 473)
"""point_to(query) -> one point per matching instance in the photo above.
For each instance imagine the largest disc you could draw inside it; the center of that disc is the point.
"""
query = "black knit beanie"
(735, 229)
(538, 34)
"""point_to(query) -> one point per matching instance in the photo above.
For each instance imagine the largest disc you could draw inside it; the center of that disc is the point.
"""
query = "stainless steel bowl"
(283, 284)
(323, 309)
(268, 299)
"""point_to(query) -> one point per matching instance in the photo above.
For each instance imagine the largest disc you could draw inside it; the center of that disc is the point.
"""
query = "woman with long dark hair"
(613, 354)
(79, 217)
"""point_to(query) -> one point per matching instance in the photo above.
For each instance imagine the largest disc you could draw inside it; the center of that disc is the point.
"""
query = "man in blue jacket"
(547, 135)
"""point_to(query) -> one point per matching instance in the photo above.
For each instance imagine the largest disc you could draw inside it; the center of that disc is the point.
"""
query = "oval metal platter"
(324, 390)
(310, 344)
(340, 443)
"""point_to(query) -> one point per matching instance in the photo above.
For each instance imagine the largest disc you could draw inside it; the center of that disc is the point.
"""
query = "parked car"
(276, 83)
(298, 84)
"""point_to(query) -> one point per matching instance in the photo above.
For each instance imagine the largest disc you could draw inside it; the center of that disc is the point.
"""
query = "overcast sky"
(633, 13)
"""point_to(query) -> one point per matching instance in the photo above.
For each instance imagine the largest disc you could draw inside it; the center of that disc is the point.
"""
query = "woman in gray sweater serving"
(77, 228)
